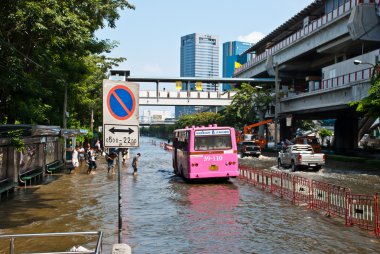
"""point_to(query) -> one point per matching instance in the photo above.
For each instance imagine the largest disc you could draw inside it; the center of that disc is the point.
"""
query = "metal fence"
(97, 248)
(360, 210)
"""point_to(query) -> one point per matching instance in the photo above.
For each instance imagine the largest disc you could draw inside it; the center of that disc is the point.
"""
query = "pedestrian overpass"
(184, 98)
(188, 97)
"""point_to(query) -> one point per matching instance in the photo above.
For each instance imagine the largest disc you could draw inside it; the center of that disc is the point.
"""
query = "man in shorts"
(75, 159)
(91, 161)
(135, 162)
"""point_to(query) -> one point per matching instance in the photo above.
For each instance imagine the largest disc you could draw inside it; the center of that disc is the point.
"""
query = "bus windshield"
(204, 143)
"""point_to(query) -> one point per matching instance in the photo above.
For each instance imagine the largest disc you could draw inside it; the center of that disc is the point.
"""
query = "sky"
(149, 36)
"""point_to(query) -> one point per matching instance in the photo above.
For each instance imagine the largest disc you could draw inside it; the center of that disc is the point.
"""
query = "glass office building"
(199, 58)
(232, 51)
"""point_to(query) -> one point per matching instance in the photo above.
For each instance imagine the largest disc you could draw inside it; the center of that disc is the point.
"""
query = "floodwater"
(163, 214)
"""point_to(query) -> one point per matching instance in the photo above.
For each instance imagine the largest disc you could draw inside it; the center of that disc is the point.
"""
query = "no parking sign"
(120, 114)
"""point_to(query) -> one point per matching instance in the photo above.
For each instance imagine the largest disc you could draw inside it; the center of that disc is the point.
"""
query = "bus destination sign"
(212, 132)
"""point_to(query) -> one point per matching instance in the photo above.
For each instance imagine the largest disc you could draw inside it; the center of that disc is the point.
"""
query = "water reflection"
(210, 223)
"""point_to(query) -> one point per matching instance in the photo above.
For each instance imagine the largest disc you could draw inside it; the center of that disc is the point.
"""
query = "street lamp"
(357, 62)
(374, 67)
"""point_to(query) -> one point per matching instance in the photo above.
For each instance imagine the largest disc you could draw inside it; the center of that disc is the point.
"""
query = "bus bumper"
(201, 175)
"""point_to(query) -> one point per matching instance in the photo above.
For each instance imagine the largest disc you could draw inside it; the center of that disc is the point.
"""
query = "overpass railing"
(187, 94)
(334, 83)
(348, 78)
(313, 26)
(360, 210)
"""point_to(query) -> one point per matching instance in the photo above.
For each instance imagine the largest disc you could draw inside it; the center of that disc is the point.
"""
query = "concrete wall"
(11, 163)
(348, 65)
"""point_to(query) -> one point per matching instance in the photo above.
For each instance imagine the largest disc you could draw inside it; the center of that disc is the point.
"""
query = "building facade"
(233, 57)
(199, 58)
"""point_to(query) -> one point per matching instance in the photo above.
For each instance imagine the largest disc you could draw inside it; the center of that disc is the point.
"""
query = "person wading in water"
(135, 163)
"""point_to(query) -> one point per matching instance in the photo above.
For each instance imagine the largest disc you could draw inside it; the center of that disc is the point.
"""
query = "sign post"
(120, 124)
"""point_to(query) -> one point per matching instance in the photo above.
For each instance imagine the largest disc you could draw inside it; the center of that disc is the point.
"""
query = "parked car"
(249, 148)
(297, 156)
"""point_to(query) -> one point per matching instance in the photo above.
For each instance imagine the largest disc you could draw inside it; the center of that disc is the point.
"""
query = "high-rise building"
(199, 58)
(232, 58)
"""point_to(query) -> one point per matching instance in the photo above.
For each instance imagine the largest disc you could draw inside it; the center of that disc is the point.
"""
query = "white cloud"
(252, 37)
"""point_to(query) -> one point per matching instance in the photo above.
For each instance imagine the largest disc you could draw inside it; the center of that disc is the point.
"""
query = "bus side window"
(185, 145)
(175, 142)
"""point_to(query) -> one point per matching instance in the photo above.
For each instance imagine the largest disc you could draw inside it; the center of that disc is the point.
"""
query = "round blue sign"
(121, 102)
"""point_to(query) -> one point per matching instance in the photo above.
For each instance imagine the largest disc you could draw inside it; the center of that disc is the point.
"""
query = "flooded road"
(163, 214)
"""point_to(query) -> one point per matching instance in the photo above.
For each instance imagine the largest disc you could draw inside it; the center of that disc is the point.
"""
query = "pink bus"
(205, 152)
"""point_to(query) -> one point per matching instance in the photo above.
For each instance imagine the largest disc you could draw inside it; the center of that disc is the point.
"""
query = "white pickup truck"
(296, 156)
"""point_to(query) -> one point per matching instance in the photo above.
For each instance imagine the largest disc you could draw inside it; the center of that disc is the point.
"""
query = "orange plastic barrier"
(302, 193)
(276, 187)
(362, 211)
(287, 187)
(330, 198)
(357, 209)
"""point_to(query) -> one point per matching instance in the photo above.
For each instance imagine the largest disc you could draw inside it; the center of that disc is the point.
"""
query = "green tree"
(240, 111)
(86, 96)
(248, 105)
(305, 125)
(325, 133)
(199, 119)
(262, 99)
(45, 46)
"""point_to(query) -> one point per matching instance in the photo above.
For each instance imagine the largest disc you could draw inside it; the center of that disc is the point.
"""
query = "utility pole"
(277, 90)
(93, 93)
(65, 108)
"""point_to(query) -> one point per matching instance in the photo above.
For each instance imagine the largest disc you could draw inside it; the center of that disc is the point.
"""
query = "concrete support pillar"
(285, 131)
(364, 23)
(346, 133)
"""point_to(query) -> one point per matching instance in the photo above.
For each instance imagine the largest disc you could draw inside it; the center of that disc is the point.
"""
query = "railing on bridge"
(187, 95)
(335, 83)
(348, 78)
(311, 27)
